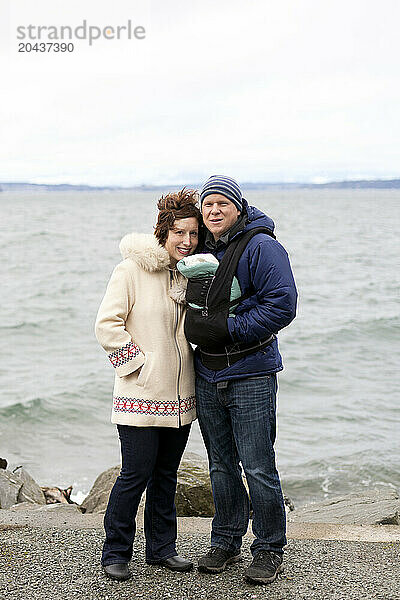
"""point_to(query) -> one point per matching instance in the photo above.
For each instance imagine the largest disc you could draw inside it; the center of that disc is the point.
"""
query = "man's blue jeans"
(238, 424)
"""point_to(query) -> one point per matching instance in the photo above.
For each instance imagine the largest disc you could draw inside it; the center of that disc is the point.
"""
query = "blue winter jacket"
(264, 269)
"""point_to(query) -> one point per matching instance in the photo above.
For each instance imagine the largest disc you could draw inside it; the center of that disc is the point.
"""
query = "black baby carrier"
(207, 326)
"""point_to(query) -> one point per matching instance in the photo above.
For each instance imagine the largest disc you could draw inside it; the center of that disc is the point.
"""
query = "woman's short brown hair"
(177, 205)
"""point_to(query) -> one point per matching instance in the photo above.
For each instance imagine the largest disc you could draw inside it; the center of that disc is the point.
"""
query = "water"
(339, 409)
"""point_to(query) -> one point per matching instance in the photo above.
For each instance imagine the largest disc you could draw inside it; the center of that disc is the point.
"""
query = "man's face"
(219, 214)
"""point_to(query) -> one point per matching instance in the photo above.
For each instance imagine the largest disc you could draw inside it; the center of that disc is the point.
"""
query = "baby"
(205, 265)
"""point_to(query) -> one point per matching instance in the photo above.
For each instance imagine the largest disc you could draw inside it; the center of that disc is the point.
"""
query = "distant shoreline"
(22, 186)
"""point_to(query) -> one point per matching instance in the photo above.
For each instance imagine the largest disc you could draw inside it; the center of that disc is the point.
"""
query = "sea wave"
(33, 408)
(326, 480)
(41, 409)
(25, 325)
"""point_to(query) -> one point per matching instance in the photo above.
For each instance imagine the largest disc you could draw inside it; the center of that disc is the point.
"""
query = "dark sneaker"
(217, 559)
(265, 567)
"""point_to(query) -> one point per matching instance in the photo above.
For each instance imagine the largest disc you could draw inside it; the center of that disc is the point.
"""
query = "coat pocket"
(145, 371)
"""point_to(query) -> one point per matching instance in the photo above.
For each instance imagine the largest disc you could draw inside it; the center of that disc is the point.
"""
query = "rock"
(3, 463)
(289, 505)
(193, 496)
(60, 509)
(10, 486)
(373, 508)
(30, 490)
(55, 495)
(24, 506)
(97, 500)
(193, 493)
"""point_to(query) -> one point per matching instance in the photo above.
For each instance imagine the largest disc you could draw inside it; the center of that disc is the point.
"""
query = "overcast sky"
(298, 90)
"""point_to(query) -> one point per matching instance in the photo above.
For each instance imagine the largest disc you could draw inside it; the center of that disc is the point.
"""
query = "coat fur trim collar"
(144, 249)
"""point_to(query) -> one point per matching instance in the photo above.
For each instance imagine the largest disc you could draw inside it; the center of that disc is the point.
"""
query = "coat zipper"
(179, 357)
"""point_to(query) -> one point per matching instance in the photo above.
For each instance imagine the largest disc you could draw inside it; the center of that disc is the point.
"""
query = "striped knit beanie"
(226, 186)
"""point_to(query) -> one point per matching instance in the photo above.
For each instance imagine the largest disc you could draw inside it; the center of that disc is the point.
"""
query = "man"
(236, 404)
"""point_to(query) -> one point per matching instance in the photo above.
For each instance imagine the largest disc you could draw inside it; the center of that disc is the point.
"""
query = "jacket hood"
(144, 249)
(257, 218)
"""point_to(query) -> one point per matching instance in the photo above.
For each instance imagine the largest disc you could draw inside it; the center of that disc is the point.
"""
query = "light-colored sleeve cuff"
(127, 359)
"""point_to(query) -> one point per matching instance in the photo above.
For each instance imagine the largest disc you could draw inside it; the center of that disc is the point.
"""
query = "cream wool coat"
(140, 326)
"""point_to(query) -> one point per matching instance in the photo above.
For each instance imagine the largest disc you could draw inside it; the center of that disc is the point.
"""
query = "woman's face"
(182, 239)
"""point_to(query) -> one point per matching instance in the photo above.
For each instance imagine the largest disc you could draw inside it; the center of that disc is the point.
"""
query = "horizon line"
(322, 182)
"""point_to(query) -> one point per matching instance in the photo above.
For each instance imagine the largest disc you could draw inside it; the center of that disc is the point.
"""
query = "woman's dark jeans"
(150, 458)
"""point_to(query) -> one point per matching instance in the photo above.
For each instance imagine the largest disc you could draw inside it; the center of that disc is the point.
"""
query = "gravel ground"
(52, 564)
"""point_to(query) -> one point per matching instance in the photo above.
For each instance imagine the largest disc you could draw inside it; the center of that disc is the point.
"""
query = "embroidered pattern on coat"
(123, 355)
(188, 403)
(152, 407)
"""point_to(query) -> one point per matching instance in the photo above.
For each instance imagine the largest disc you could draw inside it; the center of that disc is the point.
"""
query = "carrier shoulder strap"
(220, 289)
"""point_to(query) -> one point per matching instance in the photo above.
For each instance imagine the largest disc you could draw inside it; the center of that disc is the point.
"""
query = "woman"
(140, 325)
